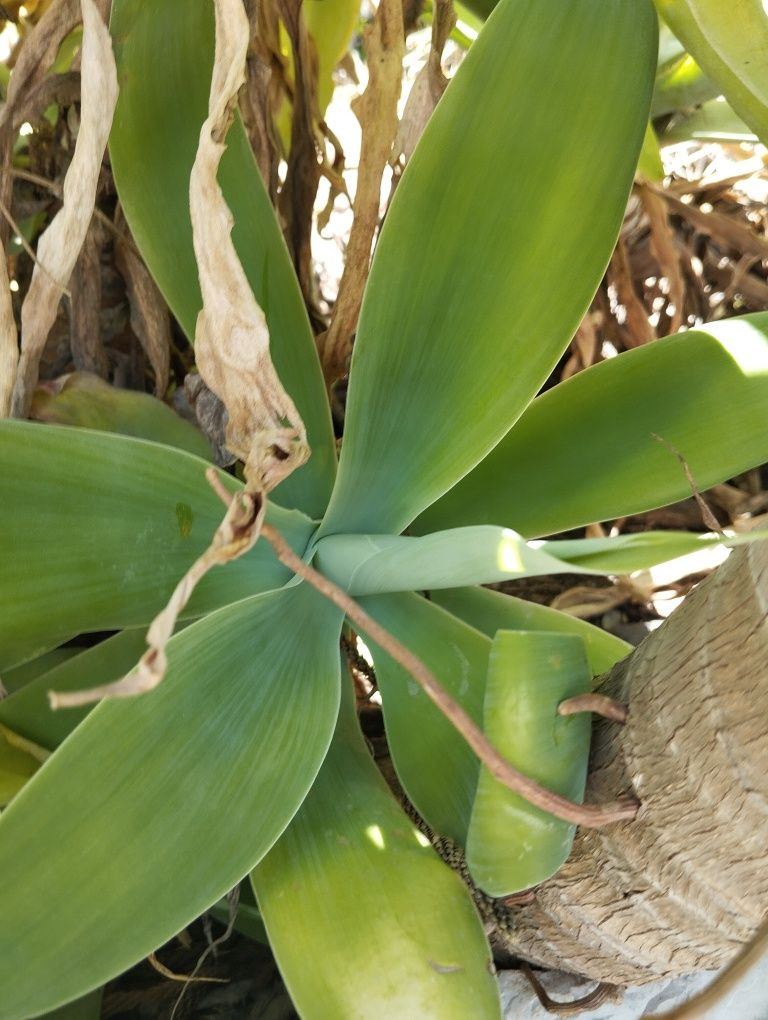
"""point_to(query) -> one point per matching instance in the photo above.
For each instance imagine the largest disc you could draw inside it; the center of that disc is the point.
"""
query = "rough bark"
(683, 886)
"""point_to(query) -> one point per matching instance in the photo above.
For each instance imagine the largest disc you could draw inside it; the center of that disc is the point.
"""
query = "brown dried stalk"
(234, 537)
(592, 815)
(376, 110)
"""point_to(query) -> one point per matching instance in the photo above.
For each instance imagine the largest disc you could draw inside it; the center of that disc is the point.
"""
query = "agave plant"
(247, 759)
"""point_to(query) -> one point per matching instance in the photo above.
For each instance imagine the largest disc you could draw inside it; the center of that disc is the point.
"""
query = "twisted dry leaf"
(232, 338)
(234, 537)
(59, 246)
(9, 346)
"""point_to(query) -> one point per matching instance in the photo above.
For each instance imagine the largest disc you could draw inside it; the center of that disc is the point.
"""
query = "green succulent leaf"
(459, 325)
(605, 444)
(14, 679)
(374, 564)
(28, 712)
(96, 529)
(86, 400)
(163, 103)
(491, 611)
(729, 42)
(434, 764)
(511, 844)
(352, 875)
(165, 800)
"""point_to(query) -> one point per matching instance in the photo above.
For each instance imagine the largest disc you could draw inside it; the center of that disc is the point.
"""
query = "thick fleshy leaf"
(398, 931)
(157, 805)
(526, 163)
(163, 103)
(28, 712)
(373, 564)
(97, 529)
(587, 450)
(87, 1008)
(490, 611)
(83, 399)
(14, 679)
(729, 41)
(714, 121)
(434, 764)
(511, 844)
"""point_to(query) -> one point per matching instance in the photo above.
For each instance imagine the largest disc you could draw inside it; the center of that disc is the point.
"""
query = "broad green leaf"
(163, 103)
(14, 679)
(490, 611)
(83, 399)
(520, 179)
(640, 551)
(97, 529)
(681, 85)
(714, 121)
(157, 805)
(17, 764)
(513, 845)
(586, 450)
(363, 917)
(729, 42)
(373, 564)
(28, 712)
(649, 165)
(87, 1008)
(434, 764)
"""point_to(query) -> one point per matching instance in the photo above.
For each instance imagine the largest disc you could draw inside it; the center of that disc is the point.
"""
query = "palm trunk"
(685, 884)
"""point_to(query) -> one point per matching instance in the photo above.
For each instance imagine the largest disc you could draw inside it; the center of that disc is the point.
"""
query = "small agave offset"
(246, 759)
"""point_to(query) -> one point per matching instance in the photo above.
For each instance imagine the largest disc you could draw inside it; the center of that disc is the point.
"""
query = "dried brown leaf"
(664, 250)
(88, 351)
(234, 537)
(637, 330)
(150, 319)
(377, 112)
(297, 197)
(232, 338)
(428, 86)
(60, 244)
(9, 345)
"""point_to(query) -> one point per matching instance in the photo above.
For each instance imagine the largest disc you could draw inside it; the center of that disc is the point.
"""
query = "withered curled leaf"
(59, 245)
(231, 337)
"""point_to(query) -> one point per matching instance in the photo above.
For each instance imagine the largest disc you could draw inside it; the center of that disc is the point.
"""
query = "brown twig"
(710, 521)
(153, 961)
(600, 704)
(592, 815)
(590, 1001)
(700, 1005)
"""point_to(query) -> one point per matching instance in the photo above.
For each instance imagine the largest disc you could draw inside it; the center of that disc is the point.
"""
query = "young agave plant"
(247, 758)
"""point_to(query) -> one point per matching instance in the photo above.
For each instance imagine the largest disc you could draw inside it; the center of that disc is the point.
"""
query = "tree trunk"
(685, 884)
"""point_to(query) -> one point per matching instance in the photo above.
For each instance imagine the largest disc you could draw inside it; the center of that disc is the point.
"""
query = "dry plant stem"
(710, 521)
(153, 961)
(150, 318)
(60, 244)
(9, 344)
(376, 110)
(599, 704)
(231, 337)
(590, 1001)
(234, 537)
(592, 815)
(700, 1005)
